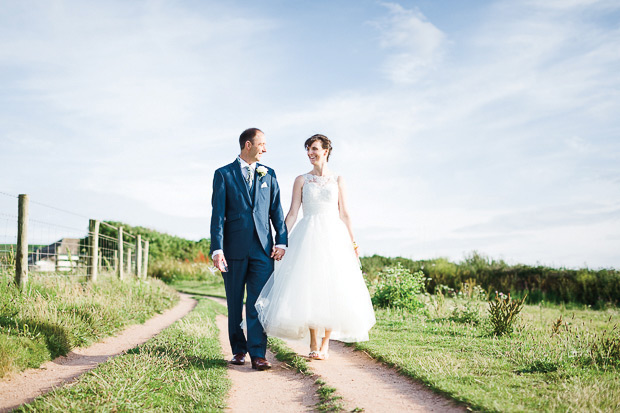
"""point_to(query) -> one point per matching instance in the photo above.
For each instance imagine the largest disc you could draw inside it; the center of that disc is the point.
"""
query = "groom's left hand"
(277, 253)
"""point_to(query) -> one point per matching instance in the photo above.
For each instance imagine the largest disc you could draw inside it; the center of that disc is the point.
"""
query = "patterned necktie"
(248, 176)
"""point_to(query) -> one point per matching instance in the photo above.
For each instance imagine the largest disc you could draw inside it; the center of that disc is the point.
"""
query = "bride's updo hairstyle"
(325, 143)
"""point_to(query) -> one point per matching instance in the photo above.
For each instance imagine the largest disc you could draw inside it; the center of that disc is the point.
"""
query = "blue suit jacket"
(235, 215)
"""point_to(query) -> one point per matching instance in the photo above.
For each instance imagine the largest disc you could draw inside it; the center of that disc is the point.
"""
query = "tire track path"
(361, 381)
(279, 389)
(24, 387)
(368, 384)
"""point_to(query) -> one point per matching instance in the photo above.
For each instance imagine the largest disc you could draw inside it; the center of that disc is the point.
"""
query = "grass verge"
(545, 365)
(286, 355)
(182, 369)
(328, 400)
(54, 314)
(214, 286)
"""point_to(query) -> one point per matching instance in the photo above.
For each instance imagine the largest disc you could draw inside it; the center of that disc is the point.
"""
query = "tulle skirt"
(318, 284)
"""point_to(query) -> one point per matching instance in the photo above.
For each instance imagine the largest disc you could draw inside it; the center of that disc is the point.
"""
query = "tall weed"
(397, 287)
(503, 313)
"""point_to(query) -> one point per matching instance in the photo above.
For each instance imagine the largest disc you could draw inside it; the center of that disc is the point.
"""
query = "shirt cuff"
(281, 246)
(216, 252)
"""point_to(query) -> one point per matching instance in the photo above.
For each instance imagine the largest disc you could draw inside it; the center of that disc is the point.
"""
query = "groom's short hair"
(248, 135)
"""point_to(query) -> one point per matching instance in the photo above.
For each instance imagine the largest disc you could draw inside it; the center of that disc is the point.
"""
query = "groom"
(246, 197)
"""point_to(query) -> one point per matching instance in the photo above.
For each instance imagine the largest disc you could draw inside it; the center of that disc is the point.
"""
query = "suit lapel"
(243, 187)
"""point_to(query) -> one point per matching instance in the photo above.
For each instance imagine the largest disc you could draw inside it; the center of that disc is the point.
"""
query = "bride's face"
(316, 153)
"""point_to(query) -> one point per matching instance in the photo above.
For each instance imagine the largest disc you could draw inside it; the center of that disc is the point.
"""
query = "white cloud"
(416, 43)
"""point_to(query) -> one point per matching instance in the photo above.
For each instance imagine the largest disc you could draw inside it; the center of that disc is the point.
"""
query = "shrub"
(503, 313)
(162, 245)
(466, 314)
(398, 287)
(540, 283)
(470, 290)
(169, 270)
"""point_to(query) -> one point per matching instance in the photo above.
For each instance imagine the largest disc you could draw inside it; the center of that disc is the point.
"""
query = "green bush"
(170, 270)
(597, 288)
(467, 313)
(397, 287)
(171, 258)
(163, 245)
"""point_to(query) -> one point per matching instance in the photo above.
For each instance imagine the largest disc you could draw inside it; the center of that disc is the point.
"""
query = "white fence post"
(138, 256)
(121, 257)
(129, 261)
(146, 259)
(93, 269)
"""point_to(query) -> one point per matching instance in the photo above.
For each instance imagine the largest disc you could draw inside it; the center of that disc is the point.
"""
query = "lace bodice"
(319, 194)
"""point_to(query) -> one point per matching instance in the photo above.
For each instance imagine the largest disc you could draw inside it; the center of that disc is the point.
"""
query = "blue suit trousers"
(251, 272)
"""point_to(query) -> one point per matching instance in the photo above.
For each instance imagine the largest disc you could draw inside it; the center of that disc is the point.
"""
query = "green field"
(213, 287)
(449, 347)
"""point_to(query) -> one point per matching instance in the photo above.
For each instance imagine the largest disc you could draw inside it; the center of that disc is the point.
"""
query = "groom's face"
(258, 148)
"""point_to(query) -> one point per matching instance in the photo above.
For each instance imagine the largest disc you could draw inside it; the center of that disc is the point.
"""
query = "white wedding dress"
(318, 283)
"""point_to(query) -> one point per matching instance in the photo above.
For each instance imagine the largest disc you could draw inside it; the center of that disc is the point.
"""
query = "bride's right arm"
(291, 217)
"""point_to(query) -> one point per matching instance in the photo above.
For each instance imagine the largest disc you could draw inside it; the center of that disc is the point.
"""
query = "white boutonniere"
(261, 171)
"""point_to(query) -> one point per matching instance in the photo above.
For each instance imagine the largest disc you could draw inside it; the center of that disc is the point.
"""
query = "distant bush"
(397, 287)
(539, 283)
(169, 270)
(170, 257)
(467, 313)
(162, 245)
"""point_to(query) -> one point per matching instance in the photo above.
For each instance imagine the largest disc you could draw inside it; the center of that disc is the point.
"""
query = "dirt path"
(361, 381)
(365, 383)
(26, 386)
(277, 390)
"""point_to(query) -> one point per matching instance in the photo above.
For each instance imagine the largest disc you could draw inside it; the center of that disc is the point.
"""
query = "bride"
(318, 286)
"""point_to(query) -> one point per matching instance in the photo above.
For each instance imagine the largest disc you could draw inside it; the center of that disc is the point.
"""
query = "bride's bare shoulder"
(299, 180)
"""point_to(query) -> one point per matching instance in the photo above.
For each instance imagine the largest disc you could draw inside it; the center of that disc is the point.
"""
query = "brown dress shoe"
(238, 359)
(260, 364)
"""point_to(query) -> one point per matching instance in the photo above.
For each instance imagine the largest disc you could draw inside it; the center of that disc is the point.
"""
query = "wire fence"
(63, 243)
(8, 231)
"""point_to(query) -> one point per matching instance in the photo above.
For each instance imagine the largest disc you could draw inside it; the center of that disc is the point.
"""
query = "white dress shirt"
(244, 166)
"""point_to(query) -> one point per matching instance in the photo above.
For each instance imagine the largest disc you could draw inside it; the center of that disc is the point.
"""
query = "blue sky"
(459, 126)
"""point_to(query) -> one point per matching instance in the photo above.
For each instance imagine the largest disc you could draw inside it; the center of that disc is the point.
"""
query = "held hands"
(220, 263)
(277, 253)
